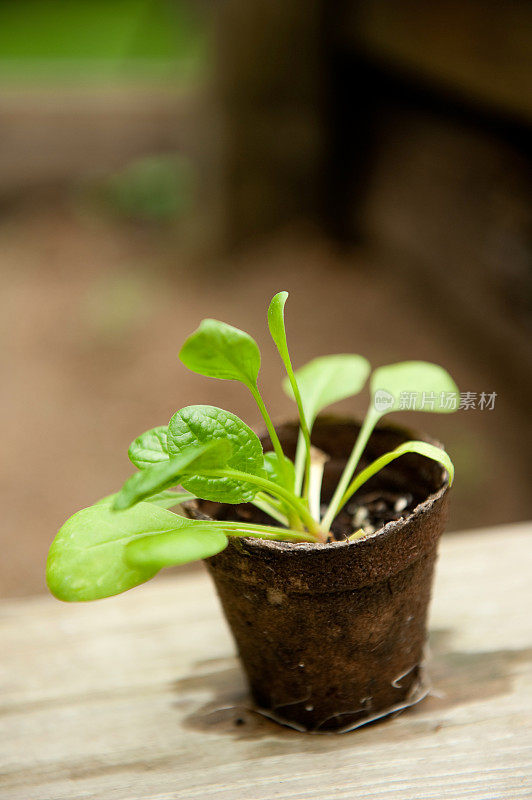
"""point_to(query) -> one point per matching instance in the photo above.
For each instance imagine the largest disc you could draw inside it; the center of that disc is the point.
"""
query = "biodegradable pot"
(332, 636)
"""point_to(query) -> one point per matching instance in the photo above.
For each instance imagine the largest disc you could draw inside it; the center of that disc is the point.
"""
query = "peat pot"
(332, 636)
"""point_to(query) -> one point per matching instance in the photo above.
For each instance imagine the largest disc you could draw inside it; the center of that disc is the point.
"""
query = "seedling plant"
(126, 538)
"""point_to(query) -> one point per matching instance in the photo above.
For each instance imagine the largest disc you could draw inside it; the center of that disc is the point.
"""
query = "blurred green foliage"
(95, 39)
(115, 305)
(157, 188)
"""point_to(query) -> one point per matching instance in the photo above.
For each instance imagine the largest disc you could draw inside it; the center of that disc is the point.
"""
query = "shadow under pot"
(332, 636)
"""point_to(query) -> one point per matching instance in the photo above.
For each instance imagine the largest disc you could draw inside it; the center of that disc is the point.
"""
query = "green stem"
(261, 502)
(403, 449)
(273, 501)
(271, 430)
(367, 473)
(292, 518)
(293, 502)
(304, 431)
(264, 532)
(278, 333)
(337, 501)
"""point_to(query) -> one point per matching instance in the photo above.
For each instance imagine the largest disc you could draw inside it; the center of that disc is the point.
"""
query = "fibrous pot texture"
(332, 636)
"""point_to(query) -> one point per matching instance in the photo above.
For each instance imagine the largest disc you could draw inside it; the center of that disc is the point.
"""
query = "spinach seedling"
(124, 539)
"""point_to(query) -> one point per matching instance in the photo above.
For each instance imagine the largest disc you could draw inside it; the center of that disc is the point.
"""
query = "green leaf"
(149, 448)
(275, 472)
(87, 558)
(423, 448)
(414, 386)
(328, 379)
(171, 549)
(218, 350)
(276, 324)
(154, 479)
(169, 499)
(166, 499)
(196, 425)
(278, 334)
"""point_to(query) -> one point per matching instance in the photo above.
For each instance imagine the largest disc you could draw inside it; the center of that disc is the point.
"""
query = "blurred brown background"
(161, 162)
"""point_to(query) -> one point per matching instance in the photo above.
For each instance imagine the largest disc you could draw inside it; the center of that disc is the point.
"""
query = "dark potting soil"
(371, 511)
(391, 494)
(368, 511)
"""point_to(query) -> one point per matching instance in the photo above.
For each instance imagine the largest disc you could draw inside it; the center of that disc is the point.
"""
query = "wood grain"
(141, 696)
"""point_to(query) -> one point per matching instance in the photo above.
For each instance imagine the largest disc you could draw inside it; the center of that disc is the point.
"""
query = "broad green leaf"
(326, 380)
(218, 350)
(149, 448)
(154, 479)
(422, 448)
(171, 549)
(413, 386)
(86, 560)
(275, 472)
(166, 499)
(196, 425)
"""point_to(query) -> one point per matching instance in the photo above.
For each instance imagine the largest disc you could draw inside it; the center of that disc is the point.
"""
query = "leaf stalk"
(296, 503)
(362, 439)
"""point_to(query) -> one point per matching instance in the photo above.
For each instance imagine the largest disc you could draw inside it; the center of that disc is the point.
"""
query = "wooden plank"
(141, 696)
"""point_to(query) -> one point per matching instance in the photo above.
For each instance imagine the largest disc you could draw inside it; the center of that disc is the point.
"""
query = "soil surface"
(369, 512)
(391, 494)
